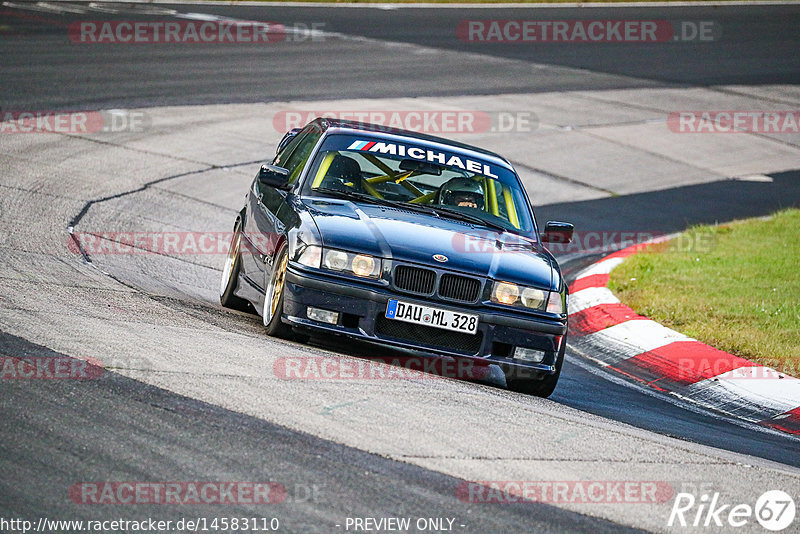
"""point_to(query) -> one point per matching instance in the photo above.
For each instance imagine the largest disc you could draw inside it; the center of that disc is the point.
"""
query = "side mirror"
(557, 232)
(273, 176)
(287, 138)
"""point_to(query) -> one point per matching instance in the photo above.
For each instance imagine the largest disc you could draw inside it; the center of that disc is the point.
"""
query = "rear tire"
(230, 274)
(541, 387)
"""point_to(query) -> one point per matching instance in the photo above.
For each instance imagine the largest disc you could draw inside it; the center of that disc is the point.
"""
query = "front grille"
(414, 279)
(428, 336)
(460, 288)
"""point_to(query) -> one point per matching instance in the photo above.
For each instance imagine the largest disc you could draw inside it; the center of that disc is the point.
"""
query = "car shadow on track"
(410, 364)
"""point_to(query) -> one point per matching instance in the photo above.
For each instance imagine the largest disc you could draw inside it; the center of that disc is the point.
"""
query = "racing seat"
(343, 170)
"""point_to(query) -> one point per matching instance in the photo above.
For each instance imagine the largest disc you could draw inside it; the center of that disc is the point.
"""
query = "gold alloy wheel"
(277, 285)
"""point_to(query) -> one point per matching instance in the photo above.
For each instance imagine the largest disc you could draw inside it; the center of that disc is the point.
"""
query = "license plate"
(436, 317)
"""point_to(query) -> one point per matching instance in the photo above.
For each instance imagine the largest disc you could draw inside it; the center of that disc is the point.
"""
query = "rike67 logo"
(775, 511)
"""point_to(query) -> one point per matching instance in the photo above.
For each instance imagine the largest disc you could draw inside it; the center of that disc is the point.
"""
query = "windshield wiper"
(456, 214)
(354, 195)
(415, 207)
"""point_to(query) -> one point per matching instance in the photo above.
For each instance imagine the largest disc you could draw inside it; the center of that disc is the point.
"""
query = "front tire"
(230, 274)
(273, 298)
(542, 387)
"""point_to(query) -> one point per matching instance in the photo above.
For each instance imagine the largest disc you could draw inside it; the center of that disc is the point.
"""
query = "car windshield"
(444, 183)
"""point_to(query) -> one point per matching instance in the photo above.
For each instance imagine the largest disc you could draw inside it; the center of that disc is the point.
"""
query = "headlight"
(531, 298)
(336, 260)
(505, 293)
(365, 266)
(340, 261)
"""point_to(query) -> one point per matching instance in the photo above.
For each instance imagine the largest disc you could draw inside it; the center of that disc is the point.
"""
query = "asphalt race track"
(189, 392)
(757, 47)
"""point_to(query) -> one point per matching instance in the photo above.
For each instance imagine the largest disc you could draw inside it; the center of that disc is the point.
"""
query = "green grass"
(735, 287)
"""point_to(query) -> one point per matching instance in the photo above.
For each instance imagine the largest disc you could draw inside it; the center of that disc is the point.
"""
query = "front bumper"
(362, 309)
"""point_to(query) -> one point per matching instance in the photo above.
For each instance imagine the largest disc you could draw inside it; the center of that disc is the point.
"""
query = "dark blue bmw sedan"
(405, 240)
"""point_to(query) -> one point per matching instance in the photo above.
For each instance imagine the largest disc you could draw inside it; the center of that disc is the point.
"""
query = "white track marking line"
(45, 7)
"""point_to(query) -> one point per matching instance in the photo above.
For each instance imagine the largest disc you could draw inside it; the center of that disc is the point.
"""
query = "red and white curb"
(615, 336)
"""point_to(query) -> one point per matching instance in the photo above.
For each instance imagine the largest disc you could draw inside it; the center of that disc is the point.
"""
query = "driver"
(462, 192)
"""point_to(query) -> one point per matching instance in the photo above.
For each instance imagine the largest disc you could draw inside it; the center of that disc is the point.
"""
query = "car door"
(268, 210)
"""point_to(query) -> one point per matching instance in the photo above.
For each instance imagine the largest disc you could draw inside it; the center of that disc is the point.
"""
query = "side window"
(296, 153)
(288, 149)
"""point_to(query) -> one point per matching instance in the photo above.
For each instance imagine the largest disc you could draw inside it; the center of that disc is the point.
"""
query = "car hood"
(405, 235)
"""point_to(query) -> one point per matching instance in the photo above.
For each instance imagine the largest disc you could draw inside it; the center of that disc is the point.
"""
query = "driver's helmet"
(462, 191)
